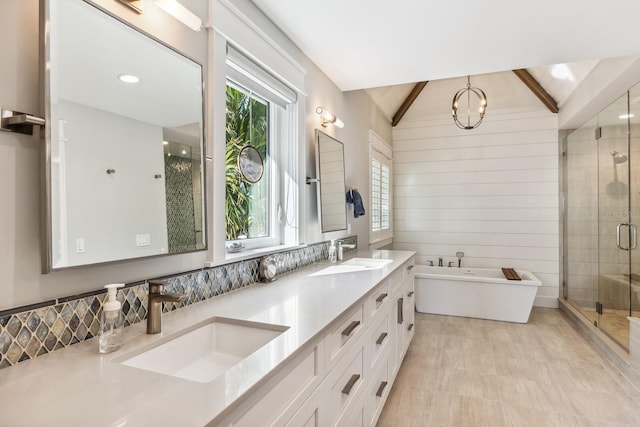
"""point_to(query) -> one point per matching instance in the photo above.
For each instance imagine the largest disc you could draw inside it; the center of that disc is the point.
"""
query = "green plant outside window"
(247, 205)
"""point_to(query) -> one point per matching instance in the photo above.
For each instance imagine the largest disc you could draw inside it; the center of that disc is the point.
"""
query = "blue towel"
(358, 207)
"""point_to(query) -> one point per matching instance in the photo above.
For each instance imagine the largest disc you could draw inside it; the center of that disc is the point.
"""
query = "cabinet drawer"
(284, 395)
(340, 338)
(378, 300)
(308, 415)
(376, 394)
(355, 418)
(409, 296)
(378, 340)
(344, 386)
(396, 280)
(409, 311)
(408, 269)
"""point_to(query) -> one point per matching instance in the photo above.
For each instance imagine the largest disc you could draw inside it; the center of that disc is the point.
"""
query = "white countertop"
(77, 386)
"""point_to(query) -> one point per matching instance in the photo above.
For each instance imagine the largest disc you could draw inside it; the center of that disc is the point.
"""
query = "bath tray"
(510, 274)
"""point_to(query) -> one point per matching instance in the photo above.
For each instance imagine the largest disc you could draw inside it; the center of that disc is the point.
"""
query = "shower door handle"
(634, 236)
(622, 224)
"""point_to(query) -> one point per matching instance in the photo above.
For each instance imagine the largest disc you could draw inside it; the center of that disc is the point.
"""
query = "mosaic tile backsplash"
(181, 220)
(29, 332)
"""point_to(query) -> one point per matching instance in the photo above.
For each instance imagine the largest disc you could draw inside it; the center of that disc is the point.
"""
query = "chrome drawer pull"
(381, 297)
(410, 267)
(410, 294)
(410, 327)
(400, 314)
(383, 385)
(352, 381)
(347, 331)
(381, 338)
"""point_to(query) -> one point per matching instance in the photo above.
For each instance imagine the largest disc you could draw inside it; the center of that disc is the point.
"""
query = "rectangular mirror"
(124, 137)
(333, 206)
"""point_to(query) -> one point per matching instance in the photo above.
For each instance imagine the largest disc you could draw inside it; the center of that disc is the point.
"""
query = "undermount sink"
(206, 351)
(368, 262)
(352, 265)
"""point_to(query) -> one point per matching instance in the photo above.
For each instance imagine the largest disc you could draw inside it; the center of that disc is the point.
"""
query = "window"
(381, 166)
(247, 205)
(259, 111)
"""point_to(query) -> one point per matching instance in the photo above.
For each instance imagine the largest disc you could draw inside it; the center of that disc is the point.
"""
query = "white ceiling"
(558, 80)
(369, 43)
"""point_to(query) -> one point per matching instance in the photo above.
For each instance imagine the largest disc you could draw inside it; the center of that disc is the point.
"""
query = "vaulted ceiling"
(388, 47)
(363, 43)
(558, 80)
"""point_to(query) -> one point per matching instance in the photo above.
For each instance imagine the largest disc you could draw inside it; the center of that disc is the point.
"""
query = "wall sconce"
(327, 118)
(173, 8)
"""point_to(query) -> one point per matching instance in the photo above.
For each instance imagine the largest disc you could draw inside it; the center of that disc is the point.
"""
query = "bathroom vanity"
(334, 344)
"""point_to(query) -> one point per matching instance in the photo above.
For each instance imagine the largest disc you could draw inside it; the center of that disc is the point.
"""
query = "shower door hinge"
(598, 307)
(598, 132)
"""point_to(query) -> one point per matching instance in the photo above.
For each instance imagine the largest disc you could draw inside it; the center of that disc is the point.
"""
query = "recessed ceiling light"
(165, 142)
(184, 151)
(128, 78)
(625, 116)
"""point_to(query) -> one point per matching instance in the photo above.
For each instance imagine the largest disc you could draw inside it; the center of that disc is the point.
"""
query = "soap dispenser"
(111, 321)
(332, 251)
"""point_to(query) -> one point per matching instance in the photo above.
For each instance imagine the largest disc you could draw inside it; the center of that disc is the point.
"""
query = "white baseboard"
(547, 302)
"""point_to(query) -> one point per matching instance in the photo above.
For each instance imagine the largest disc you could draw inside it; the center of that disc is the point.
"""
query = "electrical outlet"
(143, 239)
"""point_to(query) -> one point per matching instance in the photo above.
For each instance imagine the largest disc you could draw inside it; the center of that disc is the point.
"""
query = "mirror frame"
(318, 135)
(46, 225)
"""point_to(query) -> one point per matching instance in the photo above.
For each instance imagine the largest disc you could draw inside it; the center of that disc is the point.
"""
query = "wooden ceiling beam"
(408, 102)
(537, 89)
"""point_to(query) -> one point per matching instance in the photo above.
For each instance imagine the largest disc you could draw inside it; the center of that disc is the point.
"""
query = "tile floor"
(470, 372)
(612, 322)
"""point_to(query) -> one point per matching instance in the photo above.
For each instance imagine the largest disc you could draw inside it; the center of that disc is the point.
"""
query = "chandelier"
(478, 96)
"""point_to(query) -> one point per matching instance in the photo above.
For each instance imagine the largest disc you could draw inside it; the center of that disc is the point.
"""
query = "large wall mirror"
(333, 207)
(124, 141)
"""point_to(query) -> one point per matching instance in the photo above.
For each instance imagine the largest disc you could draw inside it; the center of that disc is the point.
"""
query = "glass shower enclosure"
(601, 213)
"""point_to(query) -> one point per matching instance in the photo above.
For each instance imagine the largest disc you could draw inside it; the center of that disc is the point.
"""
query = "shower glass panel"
(634, 164)
(581, 219)
(614, 221)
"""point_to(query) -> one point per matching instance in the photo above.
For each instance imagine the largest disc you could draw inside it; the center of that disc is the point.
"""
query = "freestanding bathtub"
(475, 292)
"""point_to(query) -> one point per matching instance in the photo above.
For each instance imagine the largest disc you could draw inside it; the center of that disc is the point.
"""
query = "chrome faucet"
(341, 247)
(154, 307)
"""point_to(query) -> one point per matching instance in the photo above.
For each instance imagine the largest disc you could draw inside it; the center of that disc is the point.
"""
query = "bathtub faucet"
(439, 262)
(460, 255)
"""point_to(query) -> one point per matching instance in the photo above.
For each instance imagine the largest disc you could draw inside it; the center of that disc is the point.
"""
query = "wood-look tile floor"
(469, 372)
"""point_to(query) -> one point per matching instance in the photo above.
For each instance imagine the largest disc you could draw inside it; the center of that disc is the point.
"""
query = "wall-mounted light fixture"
(481, 100)
(327, 118)
(173, 8)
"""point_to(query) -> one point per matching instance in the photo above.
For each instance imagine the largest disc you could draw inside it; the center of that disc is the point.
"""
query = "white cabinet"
(342, 389)
(309, 413)
(340, 337)
(376, 394)
(378, 340)
(280, 398)
(347, 376)
(409, 307)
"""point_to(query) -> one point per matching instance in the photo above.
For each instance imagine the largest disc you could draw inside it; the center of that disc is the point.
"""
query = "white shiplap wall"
(491, 192)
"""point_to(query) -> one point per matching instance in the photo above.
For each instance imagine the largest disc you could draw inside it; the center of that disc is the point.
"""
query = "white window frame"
(381, 151)
(283, 152)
